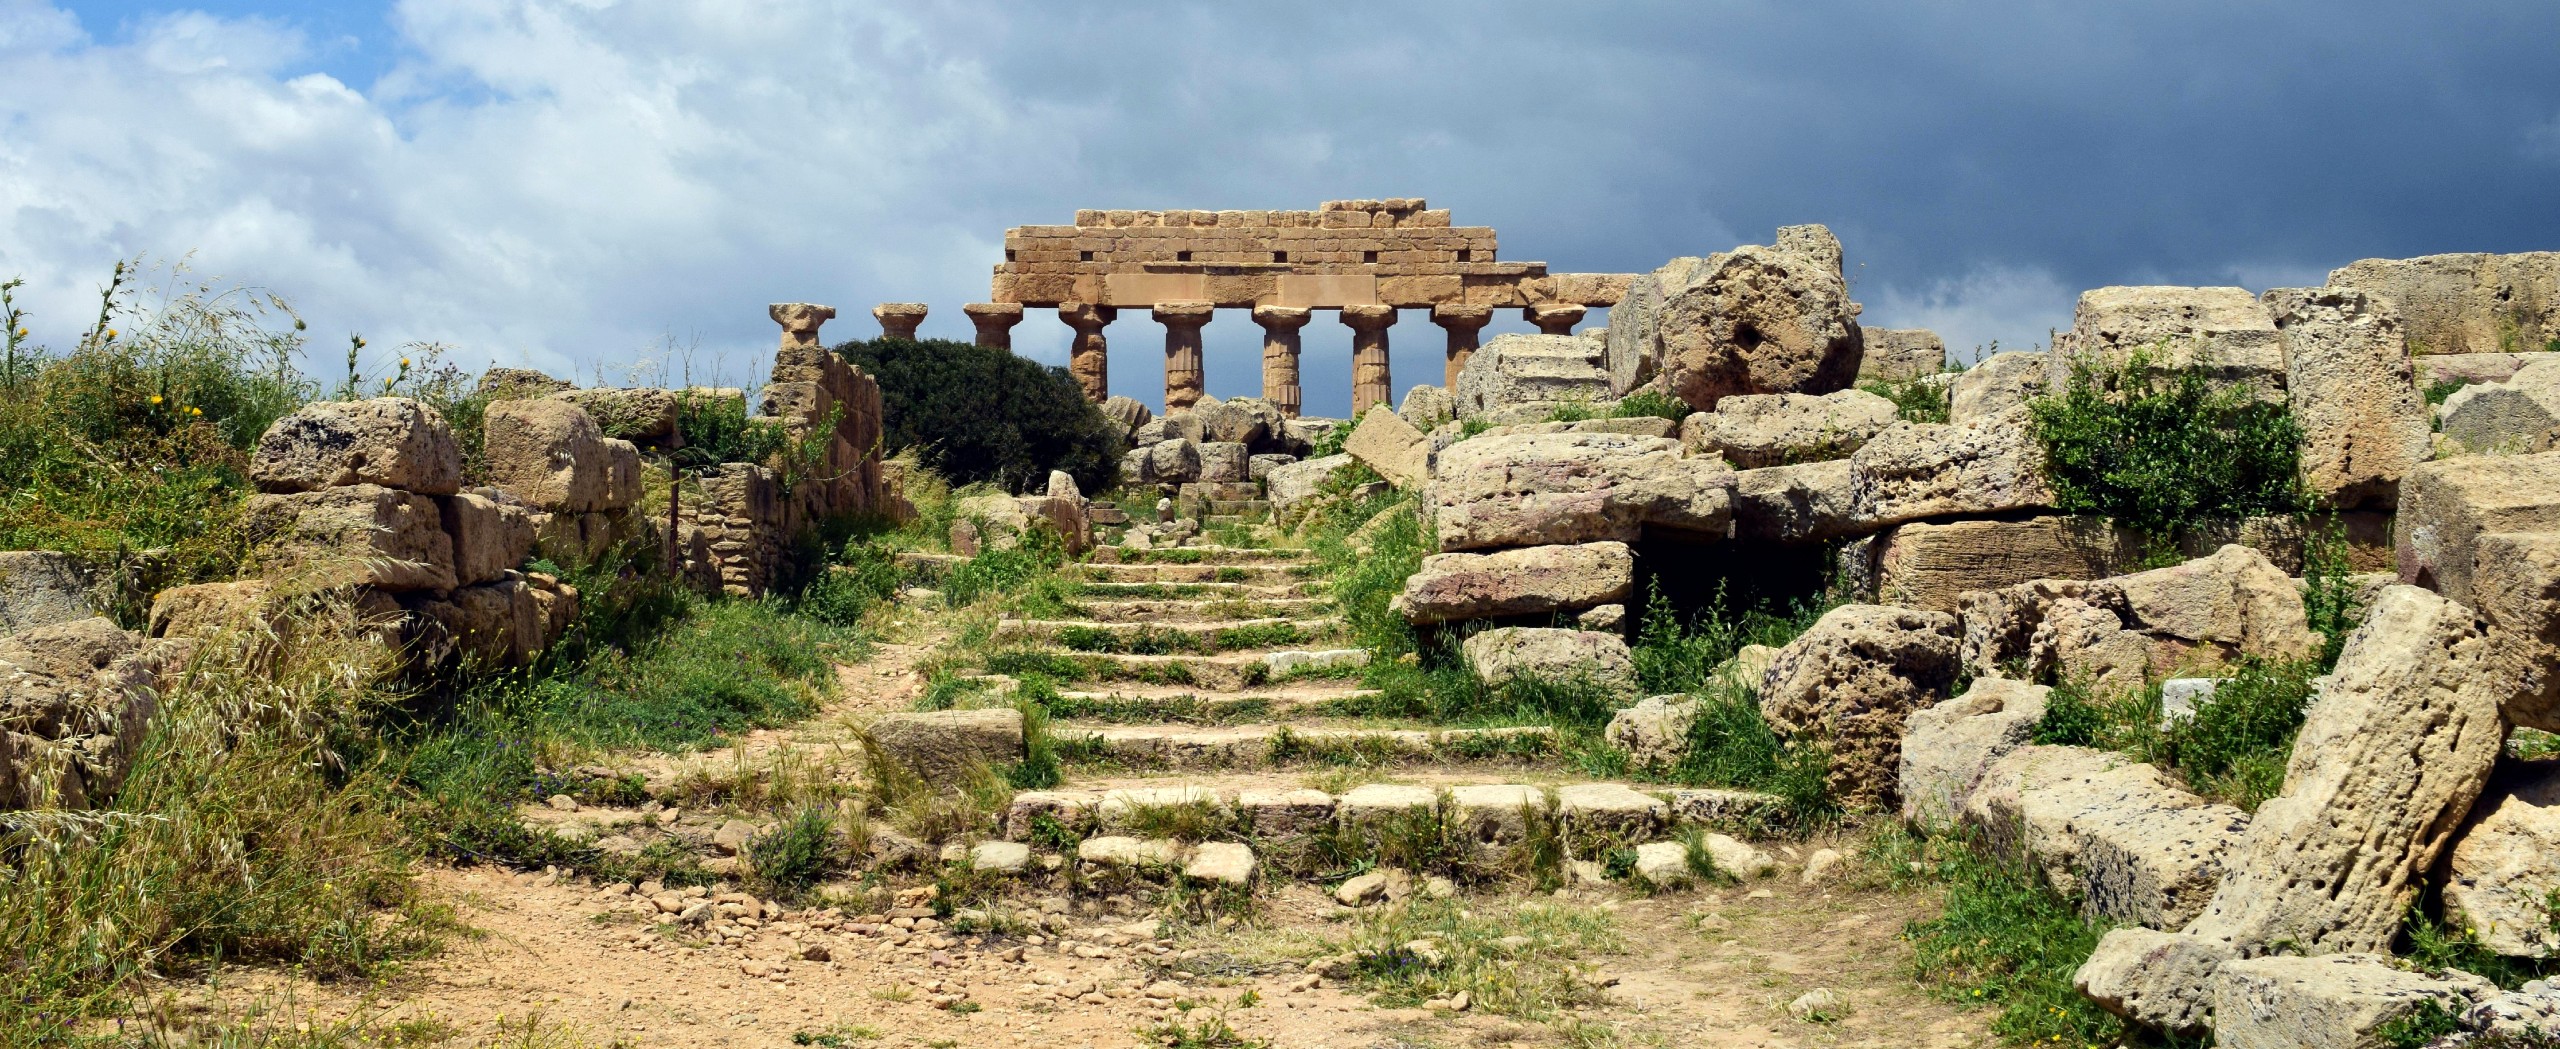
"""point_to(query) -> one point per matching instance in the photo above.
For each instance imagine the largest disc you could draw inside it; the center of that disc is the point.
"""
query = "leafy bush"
(794, 854)
(2161, 450)
(1913, 400)
(977, 414)
(1651, 402)
(718, 430)
(2233, 747)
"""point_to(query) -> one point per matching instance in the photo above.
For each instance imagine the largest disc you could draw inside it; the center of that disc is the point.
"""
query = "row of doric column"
(1088, 357)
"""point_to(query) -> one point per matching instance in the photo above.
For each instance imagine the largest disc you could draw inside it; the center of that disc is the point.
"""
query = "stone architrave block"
(1528, 581)
(394, 442)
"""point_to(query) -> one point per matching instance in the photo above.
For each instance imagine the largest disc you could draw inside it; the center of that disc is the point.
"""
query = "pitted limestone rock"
(2226, 332)
(1549, 654)
(1529, 581)
(551, 455)
(1914, 470)
(2517, 584)
(1541, 489)
(2446, 505)
(356, 534)
(1761, 319)
(394, 442)
(1901, 354)
(2136, 848)
(1805, 503)
(2353, 392)
(2506, 862)
(1947, 747)
(2285, 1002)
(1995, 385)
(1756, 430)
(1849, 683)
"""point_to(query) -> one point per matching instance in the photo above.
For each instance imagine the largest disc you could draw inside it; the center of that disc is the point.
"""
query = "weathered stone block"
(1996, 385)
(1509, 654)
(2445, 506)
(1946, 747)
(1849, 683)
(394, 442)
(1761, 320)
(492, 534)
(944, 745)
(1527, 581)
(2136, 848)
(2348, 376)
(1916, 470)
(1539, 489)
(1387, 444)
(1929, 566)
(551, 455)
(358, 534)
(1901, 354)
(1757, 430)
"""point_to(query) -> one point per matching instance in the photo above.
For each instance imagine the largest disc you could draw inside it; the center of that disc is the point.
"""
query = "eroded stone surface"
(1849, 683)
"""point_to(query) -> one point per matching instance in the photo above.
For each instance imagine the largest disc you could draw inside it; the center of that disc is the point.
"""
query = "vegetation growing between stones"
(1526, 963)
(2163, 450)
(2232, 748)
(1651, 403)
(976, 414)
(1914, 400)
(2004, 940)
(1730, 744)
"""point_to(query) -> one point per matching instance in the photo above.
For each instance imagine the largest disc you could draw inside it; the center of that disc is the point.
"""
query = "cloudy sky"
(571, 184)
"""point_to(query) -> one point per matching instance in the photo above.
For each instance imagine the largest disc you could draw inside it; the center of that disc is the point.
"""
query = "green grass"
(1653, 403)
(1531, 962)
(2004, 940)
(796, 852)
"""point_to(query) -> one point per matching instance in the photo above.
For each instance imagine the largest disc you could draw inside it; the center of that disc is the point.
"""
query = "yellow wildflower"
(155, 398)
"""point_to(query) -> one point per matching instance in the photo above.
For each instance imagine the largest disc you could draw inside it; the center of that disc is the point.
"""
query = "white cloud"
(2016, 307)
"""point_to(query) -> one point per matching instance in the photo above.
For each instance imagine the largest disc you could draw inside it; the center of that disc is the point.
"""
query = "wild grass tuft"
(1527, 961)
(2004, 940)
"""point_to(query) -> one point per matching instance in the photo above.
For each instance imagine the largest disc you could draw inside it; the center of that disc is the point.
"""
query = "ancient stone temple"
(1364, 259)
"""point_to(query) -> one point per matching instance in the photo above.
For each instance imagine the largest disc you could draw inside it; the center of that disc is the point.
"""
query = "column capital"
(1282, 318)
(1084, 316)
(898, 320)
(1555, 319)
(1456, 316)
(800, 321)
(1184, 314)
(1369, 318)
(993, 311)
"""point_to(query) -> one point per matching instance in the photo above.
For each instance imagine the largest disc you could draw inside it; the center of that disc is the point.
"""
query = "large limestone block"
(1527, 581)
(1290, 486)
(2224, 331)
(640, 415)
(2517, 582)
(1805, 503)
(1389, 445)
(551, 455)
(943, 746)
(80, 695)
(2353, 392)
(1224, 461)
(1778, 429)
(1250, 421)
(2118, 633)
(1531, 654)
(1995, 385)
(1916, 470)
(2391, 755)
(1761, 320)
(394, 442)
(2506, 862)
(492, 534)
(2500, 418)
(1850, 683)
(2338, 1001)
(1635, 323)
(2467, 303)
(2445, 506)
(1946, 747)
(2161, 980)
(1654, 733)
(1901, 354)
(1517, 374)
(207, 610)
(1427, 407)
(364, 533)
(41, 588)
(1931, 566)
(2135, 847)
(1539, 489)
(1126, 414)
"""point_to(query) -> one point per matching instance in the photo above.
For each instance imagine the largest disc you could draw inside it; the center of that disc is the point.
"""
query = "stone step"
(1592, 815)
(1259, 509)
(1263, 574)
(1199, 609)
(1190, 591)
(1218, 555)
(1267, 745)
(1157, 704)
(1093, 635)
(1225, 672)
(1232, 520)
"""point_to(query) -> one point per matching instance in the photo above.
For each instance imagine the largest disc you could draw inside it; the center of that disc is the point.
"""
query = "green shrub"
(797, 852)
(2233, 747)
(2161, 450)
(2440, 389)
(718, 430)
(977, 414)
(1914, 401)
(1651, 402)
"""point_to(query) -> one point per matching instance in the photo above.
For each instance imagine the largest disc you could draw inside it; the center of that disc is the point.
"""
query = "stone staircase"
(1200, 690)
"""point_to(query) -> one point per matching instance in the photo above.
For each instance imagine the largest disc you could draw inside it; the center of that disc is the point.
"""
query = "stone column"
(1183, 380)
(1556, 319)
(1370, 383)
(1280, 326)
(898, 320)
(800, 321)
(995, 321)
(1464, 324)
(1089, 358)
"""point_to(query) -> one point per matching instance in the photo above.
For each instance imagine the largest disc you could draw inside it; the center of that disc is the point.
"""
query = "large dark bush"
(980, 414)
(2160, 450)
